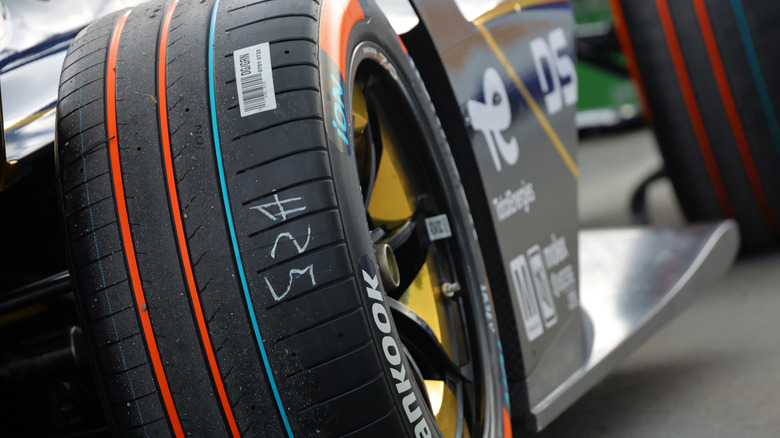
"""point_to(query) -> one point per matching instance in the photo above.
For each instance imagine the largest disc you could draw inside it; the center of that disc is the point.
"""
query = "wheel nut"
(449, 289)
(388, 266)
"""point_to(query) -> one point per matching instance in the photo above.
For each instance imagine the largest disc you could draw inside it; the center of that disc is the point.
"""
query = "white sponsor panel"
(254, 79)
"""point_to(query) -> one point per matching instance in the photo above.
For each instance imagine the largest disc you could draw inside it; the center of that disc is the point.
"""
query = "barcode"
(254, 79)
(253, 93)
(438, 227)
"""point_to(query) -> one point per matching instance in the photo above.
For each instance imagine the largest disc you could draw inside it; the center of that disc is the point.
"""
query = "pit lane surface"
(715, 370)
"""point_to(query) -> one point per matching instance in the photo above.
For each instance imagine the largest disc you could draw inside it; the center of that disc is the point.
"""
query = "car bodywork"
(581, 301)
(501, 76)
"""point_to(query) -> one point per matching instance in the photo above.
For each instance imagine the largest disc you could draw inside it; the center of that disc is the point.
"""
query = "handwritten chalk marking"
(294, 273)
(289, 236)
(280, 205)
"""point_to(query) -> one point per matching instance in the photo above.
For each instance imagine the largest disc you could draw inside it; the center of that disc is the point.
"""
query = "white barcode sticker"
(438, 227)
(254, 79)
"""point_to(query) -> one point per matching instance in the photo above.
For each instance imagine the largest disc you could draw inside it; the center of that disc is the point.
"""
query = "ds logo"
(494, 116)
(548, 52)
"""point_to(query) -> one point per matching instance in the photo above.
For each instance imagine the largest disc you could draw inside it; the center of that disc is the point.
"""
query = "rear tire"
(707, 70)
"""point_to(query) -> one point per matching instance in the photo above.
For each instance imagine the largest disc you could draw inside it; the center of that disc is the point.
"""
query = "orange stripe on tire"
(621, 29)
(733, 115)
(126, 236)
(507, 425)
(181, 239)
(338, 18)
(693, 108)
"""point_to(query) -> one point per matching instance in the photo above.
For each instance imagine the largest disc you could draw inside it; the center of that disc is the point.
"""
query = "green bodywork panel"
(599, 88)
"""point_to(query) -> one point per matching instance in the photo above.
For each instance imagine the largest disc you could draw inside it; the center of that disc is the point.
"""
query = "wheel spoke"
(421, 341)
(374, 145)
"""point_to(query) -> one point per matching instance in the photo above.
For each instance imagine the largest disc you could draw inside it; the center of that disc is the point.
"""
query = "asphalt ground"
(714, 371)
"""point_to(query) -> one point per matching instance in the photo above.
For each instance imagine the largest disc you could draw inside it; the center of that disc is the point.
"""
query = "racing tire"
(220, 246)
(706, 70)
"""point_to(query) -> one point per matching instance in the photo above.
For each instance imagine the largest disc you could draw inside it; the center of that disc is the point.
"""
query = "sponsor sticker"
(254, 79)
(438, 227)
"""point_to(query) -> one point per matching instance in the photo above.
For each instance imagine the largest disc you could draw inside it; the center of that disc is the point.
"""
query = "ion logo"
(493, 117)
(340, 119)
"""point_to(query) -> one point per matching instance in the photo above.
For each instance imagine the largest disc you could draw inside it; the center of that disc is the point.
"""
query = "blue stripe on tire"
(232, 228)
(755, 70)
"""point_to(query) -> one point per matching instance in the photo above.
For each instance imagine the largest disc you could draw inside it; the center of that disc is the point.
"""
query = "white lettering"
(394, 356)
(409, 401)
(548, 52)
(513, 202)
(556, 252)
(384, 324)
(494, 116)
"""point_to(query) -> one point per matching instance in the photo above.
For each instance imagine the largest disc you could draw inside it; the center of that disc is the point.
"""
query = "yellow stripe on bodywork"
(548, 129)
(31, 118)
(508, 6)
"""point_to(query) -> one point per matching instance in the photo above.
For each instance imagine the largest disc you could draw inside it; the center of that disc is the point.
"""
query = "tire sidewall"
(375, 32)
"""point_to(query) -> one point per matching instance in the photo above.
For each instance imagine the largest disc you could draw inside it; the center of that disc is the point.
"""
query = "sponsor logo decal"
(493, 117)
(551, 52)
(392, 351)
(512, 202)
(535, 291)
(339, 116)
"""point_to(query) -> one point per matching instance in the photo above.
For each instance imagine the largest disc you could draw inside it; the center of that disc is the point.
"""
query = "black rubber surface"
(321, 342)
(673, 124)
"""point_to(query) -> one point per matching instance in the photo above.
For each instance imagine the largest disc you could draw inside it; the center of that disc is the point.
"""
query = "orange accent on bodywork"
(126, 236)
(621, 29)
(338, 18)
(697, 122)
(507, 425)
(733, 115)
